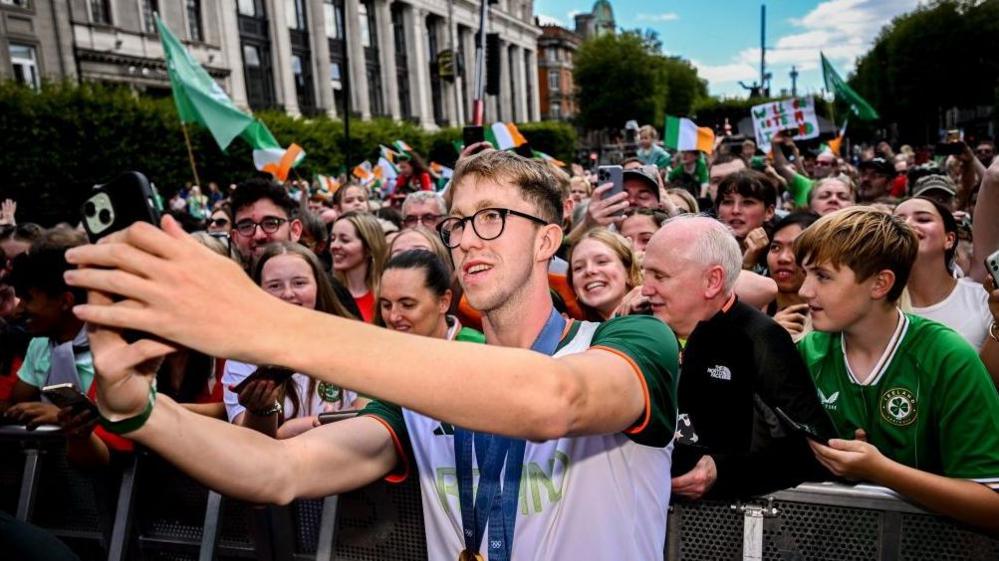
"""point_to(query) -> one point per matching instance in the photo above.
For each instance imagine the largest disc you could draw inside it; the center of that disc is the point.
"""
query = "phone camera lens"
(89, 209)
(105, 216)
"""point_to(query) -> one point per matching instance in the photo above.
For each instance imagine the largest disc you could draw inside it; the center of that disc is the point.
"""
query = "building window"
(149, 10)
(19, 3)
(251, 56)
(296, 14)
(331, 17)
(551, 54)
(362, 16)
(25, 64)
(247, 7)
(553, 80)
(194, 20)
(100, 12)
(556, 110)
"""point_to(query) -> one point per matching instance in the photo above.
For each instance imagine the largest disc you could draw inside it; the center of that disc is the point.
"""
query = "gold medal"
(469, 555)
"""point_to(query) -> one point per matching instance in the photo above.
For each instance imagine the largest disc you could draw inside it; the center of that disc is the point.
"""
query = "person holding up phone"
(591, 405)
(284, 409)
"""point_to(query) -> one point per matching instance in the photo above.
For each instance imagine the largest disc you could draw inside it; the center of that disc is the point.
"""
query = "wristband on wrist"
(132, 423)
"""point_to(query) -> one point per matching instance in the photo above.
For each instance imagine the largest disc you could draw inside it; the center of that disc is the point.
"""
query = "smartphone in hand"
(334, 416)
(803, 429)
(66, 395)
(611, 174)
(992, 266)
(116, 205)
(276, 374)
(472, 134)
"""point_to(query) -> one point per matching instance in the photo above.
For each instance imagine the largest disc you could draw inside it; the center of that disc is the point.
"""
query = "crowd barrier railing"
(146, 509)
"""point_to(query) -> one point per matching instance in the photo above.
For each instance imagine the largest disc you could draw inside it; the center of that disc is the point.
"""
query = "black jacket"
(736, 367)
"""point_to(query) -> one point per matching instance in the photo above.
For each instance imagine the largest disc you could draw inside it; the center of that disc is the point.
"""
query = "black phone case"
(131, 200)
(472, 134)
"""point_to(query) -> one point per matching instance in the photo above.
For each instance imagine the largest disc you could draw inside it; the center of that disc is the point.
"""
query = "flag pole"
(190, 153)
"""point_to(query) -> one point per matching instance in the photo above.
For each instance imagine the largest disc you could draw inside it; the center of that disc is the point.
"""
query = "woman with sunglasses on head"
(220, 222)
(291, 272)
(357, 244)
(415, 296)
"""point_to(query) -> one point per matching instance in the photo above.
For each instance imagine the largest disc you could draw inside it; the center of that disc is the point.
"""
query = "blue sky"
(722, 37)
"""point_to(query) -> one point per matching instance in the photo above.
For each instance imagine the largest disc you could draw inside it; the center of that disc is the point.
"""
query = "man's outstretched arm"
(234, 460)
(176, 288)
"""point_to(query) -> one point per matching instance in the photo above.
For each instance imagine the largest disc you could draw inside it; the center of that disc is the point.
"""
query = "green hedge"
(58, 142)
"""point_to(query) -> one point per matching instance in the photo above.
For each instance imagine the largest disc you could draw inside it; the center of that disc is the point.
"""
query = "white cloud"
(545, 19)
(842, 29)
(724, 73)
(659, 18)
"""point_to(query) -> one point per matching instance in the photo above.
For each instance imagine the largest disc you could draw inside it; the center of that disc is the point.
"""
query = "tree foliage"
(62, 140)
(625, 76)
(939, 56)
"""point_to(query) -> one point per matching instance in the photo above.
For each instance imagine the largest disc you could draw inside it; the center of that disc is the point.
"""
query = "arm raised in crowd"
(176, 288)
(985, 229)
(234, 460)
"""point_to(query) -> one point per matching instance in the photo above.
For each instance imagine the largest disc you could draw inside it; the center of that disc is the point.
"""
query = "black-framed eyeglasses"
(487, 223)
(428, 220)
(269, 225)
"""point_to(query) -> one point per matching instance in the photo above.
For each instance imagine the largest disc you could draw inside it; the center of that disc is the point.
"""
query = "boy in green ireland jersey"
(911, 401)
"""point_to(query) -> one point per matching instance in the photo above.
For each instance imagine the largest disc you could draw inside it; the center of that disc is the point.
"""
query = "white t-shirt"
(236, 371)
(965, 310)
(601, 497)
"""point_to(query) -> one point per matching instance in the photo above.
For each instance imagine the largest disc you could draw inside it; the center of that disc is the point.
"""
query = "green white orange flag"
(199, 99)
(504, 136)
(684, 134)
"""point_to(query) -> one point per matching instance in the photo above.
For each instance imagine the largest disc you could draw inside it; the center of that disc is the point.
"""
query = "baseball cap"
(880, 165)
(934, 183)
(644, 175)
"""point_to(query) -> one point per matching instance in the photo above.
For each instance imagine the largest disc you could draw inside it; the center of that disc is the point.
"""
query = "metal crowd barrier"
(146, 509)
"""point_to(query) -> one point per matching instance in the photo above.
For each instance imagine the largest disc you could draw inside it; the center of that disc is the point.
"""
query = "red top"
(416, 183)
(366, 304)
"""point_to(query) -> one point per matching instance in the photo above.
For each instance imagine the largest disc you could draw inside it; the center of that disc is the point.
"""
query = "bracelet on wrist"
(994, 331)
(132, 423)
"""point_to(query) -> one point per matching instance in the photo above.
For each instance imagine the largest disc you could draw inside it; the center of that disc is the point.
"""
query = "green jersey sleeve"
(800, 186)
(652, 349)
(390, 415)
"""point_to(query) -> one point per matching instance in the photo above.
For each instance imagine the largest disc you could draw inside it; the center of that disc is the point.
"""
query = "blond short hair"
(865, 240)
(649, 130)
(537, 181)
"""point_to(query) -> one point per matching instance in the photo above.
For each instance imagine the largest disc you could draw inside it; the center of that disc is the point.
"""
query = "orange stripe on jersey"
(394, 476)
(635, 429)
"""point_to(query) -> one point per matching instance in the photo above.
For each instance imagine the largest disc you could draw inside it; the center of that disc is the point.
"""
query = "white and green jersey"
(600, 497)
(929, 404)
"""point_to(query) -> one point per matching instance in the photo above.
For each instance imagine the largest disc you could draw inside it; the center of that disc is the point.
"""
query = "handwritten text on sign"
(797, 113)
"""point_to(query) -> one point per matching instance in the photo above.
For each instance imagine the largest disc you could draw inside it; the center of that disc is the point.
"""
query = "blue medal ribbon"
(492, 452)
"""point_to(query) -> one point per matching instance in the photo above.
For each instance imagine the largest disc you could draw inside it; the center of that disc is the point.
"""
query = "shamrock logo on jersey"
(898, 407)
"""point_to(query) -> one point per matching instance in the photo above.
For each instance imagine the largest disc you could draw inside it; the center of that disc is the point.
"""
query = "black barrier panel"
(381, 522)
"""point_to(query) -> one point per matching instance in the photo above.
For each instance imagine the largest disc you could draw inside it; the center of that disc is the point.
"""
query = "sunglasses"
(219, 222)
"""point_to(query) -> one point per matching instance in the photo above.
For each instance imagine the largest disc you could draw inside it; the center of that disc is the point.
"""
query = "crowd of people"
(727, 325)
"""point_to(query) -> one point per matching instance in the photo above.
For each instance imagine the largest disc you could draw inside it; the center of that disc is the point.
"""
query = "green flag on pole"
(201, 100)
(844, 92)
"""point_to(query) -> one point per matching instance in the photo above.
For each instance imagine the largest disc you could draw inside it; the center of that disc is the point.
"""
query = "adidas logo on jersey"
(720, 372)
(828, 402)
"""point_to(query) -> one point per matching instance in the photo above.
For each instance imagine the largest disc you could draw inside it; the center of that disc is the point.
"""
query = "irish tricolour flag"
(504, 136)
(684, 134)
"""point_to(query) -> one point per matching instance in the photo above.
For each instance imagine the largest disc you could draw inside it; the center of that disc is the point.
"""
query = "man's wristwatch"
(274, 409)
